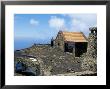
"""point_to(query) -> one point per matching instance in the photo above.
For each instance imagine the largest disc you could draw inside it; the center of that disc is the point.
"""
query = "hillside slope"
(53, 60)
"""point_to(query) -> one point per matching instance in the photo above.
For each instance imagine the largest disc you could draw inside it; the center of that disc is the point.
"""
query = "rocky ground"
(52, 60)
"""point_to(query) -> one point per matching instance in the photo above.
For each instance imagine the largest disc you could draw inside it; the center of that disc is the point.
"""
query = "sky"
(45, 26)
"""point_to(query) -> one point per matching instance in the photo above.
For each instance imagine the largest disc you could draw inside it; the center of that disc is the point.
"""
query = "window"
(58, 44)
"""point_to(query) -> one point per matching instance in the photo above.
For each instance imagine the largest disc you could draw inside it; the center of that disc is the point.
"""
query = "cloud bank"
(82, 22)
(75, 23)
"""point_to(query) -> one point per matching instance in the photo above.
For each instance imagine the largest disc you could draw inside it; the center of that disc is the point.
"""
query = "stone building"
(92, 43)
(90, 58)
(73, 42)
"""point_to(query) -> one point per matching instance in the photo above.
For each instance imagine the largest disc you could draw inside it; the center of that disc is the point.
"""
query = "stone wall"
(89, 59)
(92, 44)
(59, 41)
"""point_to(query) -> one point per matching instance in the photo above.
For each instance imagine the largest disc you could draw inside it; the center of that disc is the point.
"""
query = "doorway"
(80, 48)
(69, 47)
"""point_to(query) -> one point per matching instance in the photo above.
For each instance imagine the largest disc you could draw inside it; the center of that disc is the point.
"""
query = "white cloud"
(34, 22)
(82, 22)
(89, 19)
(56, 22)
(79, 26)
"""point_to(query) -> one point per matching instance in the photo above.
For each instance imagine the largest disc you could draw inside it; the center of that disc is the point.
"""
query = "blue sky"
(46, 26)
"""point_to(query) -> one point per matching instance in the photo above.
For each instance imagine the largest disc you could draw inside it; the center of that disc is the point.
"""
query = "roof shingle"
(74, 36)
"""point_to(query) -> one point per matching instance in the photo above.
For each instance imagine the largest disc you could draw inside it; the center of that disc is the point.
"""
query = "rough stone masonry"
(89, 59)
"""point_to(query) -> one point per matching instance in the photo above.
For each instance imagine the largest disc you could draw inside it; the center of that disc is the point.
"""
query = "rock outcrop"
(53, 61)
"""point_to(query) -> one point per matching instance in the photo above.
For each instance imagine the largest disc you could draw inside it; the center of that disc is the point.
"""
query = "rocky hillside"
(52, 60)
(47, 60)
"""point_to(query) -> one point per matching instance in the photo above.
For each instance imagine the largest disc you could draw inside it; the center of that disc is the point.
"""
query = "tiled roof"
(74, 36)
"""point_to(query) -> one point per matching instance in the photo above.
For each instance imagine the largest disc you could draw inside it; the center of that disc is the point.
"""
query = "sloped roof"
(74, 36)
